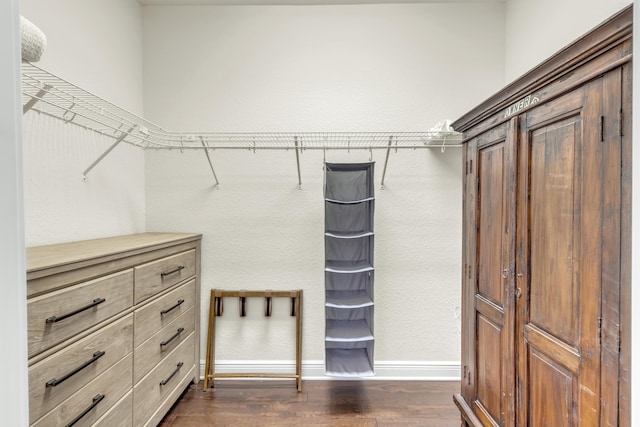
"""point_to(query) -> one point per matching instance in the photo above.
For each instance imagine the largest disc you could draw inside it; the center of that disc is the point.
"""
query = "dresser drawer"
(57, 377)
(59, 315)
(156, 276)
(149, 394)
(156, 348)
(120, 414)
(157, 314)
(93, 400)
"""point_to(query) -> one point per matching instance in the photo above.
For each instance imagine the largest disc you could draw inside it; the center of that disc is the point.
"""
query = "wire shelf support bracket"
(206, 152)
(121, 138)
(298, 162)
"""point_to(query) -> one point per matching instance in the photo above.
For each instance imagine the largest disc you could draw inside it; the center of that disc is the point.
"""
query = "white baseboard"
(314, 369)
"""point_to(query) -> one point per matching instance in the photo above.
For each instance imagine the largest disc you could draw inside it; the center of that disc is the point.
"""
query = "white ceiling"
(297, 2)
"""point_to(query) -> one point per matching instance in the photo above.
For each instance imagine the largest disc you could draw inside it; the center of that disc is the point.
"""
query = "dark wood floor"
(321, 403)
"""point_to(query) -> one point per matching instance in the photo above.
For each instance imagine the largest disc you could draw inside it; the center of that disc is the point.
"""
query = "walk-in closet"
(258, 212)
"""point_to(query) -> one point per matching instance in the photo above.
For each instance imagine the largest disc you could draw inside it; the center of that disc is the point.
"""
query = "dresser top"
(56, 255)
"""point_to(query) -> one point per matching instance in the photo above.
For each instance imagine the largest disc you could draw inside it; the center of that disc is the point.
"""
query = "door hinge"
(601, 129)
(599, 328)
(468, 167)
(620, 122)
(619, 340)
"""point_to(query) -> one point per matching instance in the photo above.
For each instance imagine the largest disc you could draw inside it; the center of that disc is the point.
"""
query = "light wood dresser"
(113, 328)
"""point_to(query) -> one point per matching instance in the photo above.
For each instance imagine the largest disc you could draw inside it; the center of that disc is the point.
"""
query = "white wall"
(13, 316)
(319, 68)
(537, 29)
(96, 45)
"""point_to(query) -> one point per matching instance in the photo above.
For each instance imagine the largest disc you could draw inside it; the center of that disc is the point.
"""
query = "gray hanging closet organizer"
(349, 208)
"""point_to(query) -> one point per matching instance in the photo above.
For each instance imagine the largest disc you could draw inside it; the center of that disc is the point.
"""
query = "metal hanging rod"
(56, 97)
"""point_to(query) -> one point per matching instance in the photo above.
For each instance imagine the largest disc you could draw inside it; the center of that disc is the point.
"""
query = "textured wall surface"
(96, 45)
(332, 68)
(537, 29)
(59, 206)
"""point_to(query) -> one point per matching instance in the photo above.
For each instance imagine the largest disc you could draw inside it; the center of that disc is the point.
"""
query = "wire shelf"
(56, 97)
(51, 95)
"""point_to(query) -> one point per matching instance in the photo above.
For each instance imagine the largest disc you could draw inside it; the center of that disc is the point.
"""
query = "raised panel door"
(492, 400)
(560, 265)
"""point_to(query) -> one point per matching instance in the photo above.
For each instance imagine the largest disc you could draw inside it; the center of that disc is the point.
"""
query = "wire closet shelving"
(51, 95)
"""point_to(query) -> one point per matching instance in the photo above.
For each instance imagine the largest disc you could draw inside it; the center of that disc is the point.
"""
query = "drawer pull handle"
(96, 399)
(175, 270)
(54, 319)
(164, 382)
(173, 307)
(55, 381)
(176, 335)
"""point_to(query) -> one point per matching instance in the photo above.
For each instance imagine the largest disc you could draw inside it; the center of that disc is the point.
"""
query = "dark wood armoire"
(546, 241)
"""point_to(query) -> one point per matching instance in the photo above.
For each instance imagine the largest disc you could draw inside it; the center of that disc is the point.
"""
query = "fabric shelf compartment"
(348, 182)
(350, 362)
(348, 267)
(348, 331)
(348, 299)
(345, 219)
(351, 314)
(349, 290)
(349, 270)
(355, 250)
(349, 324)
(349, 202)
(336, 281)
(351, 235)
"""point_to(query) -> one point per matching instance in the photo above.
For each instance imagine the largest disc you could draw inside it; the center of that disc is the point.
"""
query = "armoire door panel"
(468, 320)
(554, 185)
(490, 310)
(612, 248)
(490, 222)
(489, 366)
(568, 105)
(564, 222)
(558, 350)
(493, 404)
(551, 389)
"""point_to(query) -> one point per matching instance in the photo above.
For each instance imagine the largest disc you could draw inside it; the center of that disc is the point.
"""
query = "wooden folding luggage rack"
(215, 310)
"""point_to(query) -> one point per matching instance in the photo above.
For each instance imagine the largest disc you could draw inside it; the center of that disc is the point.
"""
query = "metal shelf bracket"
(121, 138)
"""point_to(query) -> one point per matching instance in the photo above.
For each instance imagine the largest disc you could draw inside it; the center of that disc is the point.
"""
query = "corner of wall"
(14, 404)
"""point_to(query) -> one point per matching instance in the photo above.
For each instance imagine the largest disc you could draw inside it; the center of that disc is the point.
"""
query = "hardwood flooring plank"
(418, 422)
(321, 403)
